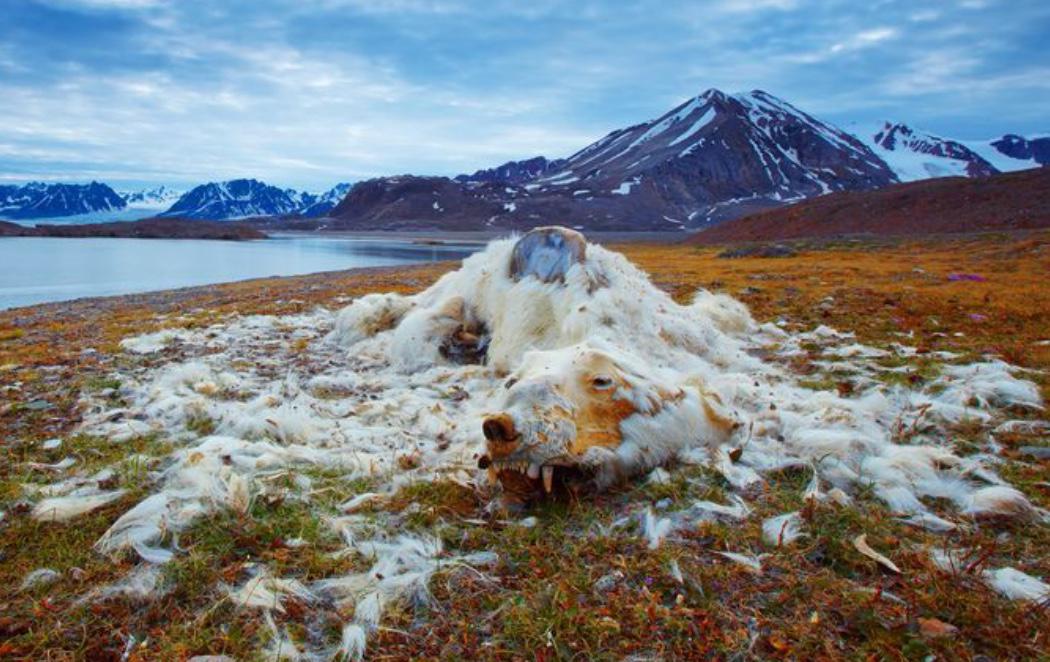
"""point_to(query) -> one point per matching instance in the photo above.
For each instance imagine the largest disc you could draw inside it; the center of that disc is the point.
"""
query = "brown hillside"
(1010, 201)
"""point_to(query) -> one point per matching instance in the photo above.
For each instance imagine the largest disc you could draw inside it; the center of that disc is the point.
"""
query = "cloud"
(309, 92)
(864, 39)
(106, 4)
(757, 5)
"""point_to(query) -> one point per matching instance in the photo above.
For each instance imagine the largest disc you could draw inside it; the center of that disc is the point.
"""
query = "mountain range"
(239, 198)
(245, 198)
(42, 200)
(714, 157)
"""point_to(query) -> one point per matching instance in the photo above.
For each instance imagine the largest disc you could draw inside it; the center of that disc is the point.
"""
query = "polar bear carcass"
(605, 376)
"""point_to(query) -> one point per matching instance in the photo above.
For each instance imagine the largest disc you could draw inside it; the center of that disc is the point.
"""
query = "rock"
(40, 577)
(1038, 452)
(608, 582)
(761, 250)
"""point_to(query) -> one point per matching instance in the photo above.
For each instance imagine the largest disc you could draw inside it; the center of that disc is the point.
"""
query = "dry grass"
(817, 599)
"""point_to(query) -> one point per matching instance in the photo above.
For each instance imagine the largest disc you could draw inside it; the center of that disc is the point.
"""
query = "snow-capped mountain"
(514, 172)
(713, 157)
(237, 198)
(160, 197)
(314, 206)
(242, 198)
(39, 200)
(914, 154)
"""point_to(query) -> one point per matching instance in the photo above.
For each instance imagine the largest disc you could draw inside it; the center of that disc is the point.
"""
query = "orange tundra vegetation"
(558, 593)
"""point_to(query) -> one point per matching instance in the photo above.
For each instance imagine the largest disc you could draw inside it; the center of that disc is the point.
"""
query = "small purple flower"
(977, 278)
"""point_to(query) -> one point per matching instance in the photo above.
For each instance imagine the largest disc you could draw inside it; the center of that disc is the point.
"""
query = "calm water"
(38, 269)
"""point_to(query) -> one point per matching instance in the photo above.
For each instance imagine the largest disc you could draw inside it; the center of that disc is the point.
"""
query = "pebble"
(1038, 452)
(607, 582)
(40, 577)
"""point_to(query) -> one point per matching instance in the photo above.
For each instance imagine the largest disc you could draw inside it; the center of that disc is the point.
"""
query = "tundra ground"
(559, 591)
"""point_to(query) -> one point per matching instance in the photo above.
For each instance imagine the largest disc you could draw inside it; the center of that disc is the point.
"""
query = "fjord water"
(37, 269)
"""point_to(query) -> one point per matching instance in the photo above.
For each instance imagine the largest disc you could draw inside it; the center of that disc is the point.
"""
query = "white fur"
(60, 509)
(1016, 585)
(372, 385)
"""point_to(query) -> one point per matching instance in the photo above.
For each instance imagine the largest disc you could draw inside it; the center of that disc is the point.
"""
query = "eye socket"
(602, 382)
(510, 382)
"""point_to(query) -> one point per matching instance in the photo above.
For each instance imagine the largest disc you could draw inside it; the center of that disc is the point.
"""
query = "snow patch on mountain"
(159, 197)
(914, 154)
(1012, 152)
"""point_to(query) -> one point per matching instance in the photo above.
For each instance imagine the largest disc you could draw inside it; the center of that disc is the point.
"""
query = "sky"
(307, 93)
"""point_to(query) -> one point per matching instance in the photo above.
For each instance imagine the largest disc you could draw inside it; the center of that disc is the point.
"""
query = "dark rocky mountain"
(713, 157)
(514, 172)
(238, 198)
(408, 202)
(1006, 201)
(716, 155)
(40, 200)
(1025, 149)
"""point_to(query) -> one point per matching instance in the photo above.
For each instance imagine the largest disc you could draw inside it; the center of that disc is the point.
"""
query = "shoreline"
(155, 297)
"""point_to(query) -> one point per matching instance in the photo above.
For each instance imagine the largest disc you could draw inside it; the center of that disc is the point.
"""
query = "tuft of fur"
(782, 529)
(61, 509)
(1016, 585)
